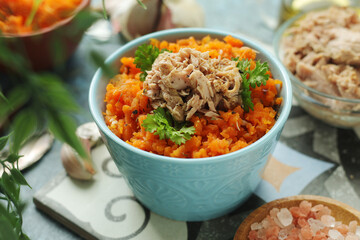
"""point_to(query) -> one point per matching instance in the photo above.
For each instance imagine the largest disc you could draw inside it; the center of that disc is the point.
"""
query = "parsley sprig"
(145, 56)
(255, 77)
(162, 123)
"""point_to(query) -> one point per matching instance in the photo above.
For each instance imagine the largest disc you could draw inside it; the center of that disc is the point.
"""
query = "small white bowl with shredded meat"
(321, 50)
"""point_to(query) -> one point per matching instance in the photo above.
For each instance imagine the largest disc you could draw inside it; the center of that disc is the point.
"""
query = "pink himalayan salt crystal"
(317, 208)
(335, 235)
(253, 235)
(272, 231)
(321, 212)
(256, 226)
(305, 228)
(351, 236)
(285, 232)
(306, 232)
(328, 221)
(285, 217)
(302, 222)
(265, 223)
(283, 235)
(343, 229)
(273, 212)
(305, 207)
(278, 223)
(315, 225)
(352, 226)
(261, 233)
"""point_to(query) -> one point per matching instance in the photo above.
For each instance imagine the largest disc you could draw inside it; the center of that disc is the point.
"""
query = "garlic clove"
(165, 21)
(137, 21)
(185, 13)
(89, 131)
(34, 149)
(74, 165)
(129, 18)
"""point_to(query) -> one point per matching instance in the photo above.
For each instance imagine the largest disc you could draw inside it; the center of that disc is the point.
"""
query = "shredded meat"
(323, 51)
(190, 81)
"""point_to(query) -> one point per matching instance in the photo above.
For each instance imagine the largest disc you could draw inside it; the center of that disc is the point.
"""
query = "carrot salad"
(14, 14)
(127, 107)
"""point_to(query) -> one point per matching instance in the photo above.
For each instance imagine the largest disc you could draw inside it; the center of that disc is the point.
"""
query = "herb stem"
(142, 4)
(104, 10)
(34, 9)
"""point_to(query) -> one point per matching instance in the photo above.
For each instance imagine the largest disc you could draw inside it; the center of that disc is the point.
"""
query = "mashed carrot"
(14, 13)
(127, 107)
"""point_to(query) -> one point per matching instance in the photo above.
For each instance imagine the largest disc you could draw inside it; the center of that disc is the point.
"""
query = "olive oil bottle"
(291, 8)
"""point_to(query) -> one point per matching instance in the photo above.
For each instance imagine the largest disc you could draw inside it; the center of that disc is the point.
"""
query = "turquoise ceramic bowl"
(190, 189)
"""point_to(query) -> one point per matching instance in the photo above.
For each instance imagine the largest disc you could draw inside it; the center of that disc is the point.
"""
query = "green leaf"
(2, 96)
(9, 187)
(58, 50)
(99, 61)
(3, 141)
(63, 127)
(246, 98)
(6, 230)
(24, 126)
(52, 93)
(258, 75)
(255, 77)
(12, 158)
(162, 123)
(12, 59)
(23, 236)
(145, 56)
(18, 177)
(82, 21)
(8, 222)
(17, 98)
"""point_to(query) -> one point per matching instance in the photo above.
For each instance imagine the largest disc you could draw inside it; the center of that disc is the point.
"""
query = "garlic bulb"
(129, 18)
(74, 165)
(185, 13)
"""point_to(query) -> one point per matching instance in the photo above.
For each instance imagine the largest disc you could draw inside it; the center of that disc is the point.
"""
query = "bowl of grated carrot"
(45, 33)
(191, 118)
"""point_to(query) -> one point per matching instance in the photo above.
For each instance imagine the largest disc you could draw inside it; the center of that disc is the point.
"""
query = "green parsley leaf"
(253, 78)
(145, 56)
(162, 123)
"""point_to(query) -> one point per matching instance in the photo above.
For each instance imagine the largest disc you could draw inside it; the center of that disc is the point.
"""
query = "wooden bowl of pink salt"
(301, 217)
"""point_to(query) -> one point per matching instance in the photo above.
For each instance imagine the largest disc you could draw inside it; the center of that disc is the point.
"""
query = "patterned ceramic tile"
(106, 207)
(325, 142)
(307, 169)
(298, 126)
(340, 188)
(276, 172)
